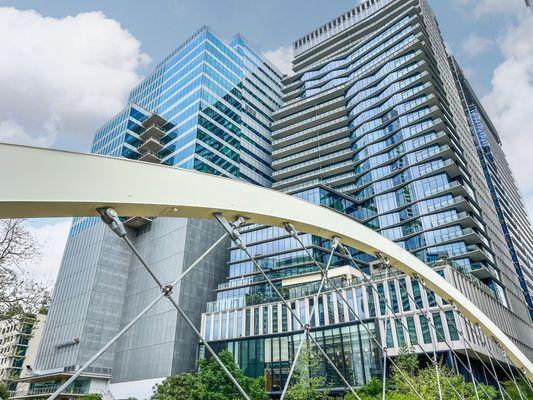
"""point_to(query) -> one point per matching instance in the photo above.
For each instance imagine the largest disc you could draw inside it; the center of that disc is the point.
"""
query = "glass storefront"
(349, 346)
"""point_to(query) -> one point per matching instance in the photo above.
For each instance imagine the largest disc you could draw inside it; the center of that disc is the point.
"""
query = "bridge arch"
(36, 182)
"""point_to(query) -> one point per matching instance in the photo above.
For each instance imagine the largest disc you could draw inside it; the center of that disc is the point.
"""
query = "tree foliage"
(19, 293)
(424, 381)
(92, 396)
(307, 383)
(210, 383)
(4, 392)
(513, 392)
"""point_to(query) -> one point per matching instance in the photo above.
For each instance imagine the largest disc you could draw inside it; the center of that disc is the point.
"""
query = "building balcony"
(151, 157)
(153, 131)
(46, 391)
(483, 271)
(328, 126)
(137, 222)
(307, 113)
(334, 157)
(152, 145)
(154, 119)
(310, 122)
(299, 146)
(312, 153)
(477, 253)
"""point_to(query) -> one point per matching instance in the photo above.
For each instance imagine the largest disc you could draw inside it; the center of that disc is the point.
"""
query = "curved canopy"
(39, 182)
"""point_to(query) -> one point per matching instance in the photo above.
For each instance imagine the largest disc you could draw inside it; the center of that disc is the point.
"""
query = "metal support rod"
(468, 345)
(484, 344)
(469, 367)
(189, 322)
(293, 366)
(235, 236)
(525, 378)
(384, 378)
(334, 245)
(110, 217)
(189, 269)
(498, 381)
(105, 347)
(471, 373)
(295, 235)
(434, 343)
(398, 319)
(211, 351)
(509, 365)
(512, 374)
(461, 333)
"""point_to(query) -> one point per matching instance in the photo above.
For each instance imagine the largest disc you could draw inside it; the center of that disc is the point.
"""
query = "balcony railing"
(150, 156)
(17, 394)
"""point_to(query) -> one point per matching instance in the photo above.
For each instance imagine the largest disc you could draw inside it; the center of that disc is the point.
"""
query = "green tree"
(92, 396)
(210, 383)
(424, 381)
(511, 389)
(4, 392)
(307, 383)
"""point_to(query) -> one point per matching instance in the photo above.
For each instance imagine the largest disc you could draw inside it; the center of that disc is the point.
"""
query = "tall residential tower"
(373, 126)
(504, 192)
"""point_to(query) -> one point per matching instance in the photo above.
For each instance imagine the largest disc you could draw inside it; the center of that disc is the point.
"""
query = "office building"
(207, 106)
(372, 125)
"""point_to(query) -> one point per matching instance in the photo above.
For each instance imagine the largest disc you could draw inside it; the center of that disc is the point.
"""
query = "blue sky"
(161, 25)
(68, 64)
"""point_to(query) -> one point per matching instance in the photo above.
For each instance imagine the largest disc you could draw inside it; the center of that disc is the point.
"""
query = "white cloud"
(510, 102)
(475, 45)
(62, 78)
(12, 132)
(281, 57)
(482, 8)
(53, 238)
(502, 7)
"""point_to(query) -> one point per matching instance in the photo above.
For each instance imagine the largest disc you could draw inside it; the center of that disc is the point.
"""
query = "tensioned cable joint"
(111, 219)
(167, 290)
(232, 230)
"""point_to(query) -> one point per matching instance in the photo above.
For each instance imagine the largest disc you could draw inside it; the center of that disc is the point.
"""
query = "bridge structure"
(38, 182)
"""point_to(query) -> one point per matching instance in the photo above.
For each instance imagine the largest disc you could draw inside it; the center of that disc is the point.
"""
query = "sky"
(67, 66)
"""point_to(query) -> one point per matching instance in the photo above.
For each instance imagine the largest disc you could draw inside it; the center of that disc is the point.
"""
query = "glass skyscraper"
(207, 106)
(508, 202)
(372, 125)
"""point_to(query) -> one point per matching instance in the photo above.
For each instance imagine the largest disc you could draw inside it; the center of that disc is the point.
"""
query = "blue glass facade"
(512, 214)
(398, 153)
(208, 107)
(215, 101)
(372, 125)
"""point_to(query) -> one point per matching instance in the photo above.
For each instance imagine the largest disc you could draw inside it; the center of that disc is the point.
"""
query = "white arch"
(38, 182)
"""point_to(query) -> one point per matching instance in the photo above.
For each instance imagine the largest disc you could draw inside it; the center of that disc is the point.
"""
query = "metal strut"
(307, 328)
(386, 265)
(509, 364)
(236, 237)
(110, 217)
(395, 315)
(290, 228)
(469, 367)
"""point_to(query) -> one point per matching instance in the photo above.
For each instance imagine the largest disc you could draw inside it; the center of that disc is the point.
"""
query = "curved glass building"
(372, 125)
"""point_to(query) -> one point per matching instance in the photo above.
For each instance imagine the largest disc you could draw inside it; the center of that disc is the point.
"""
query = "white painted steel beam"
(38, 182)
